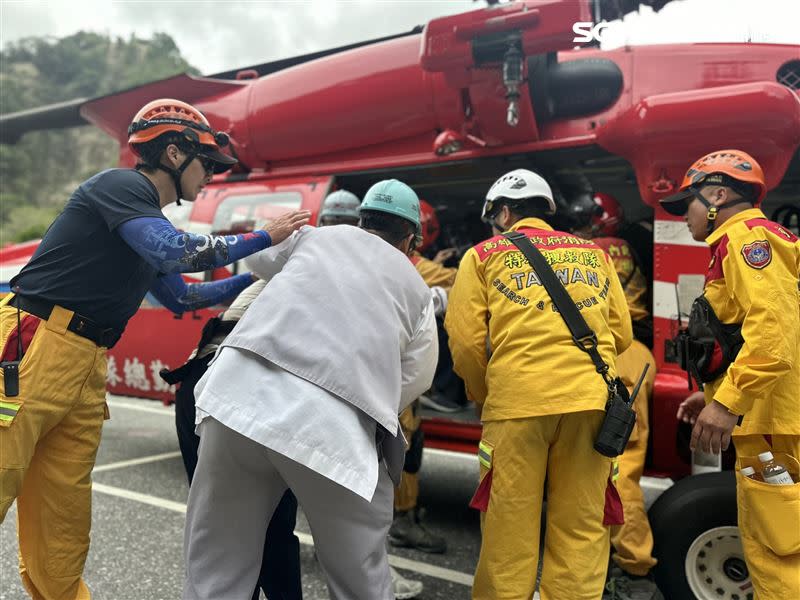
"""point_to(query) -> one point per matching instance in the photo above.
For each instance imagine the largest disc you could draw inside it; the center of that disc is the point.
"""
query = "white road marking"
(111, 490)
(135, 461)
(396, 561)
(149, 406)
(426, 569)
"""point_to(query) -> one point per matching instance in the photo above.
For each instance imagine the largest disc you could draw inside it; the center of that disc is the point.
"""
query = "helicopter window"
(238, 214)
(789, 74)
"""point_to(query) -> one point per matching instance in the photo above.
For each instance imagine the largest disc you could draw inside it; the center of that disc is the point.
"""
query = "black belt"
(79, 325)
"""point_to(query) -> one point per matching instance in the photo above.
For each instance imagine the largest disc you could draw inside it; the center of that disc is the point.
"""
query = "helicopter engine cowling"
(349, 100)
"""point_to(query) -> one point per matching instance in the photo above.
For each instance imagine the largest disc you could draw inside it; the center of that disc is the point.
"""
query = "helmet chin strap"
(176, 174)
(713, 211)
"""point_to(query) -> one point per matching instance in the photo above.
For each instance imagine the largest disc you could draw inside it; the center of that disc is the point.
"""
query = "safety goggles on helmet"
(490, 210)
(221, 139)
(214, 161)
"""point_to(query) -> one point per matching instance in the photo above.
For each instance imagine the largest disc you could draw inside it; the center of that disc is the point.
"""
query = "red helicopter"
(449, 107)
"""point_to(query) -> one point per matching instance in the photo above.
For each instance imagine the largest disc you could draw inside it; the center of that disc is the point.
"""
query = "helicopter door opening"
(230, 208)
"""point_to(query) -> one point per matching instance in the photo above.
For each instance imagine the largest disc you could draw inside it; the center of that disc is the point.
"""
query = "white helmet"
(340, 203)
(519, 184)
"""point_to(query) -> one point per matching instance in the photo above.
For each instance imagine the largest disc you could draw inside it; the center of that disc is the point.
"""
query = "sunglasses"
(208, 164)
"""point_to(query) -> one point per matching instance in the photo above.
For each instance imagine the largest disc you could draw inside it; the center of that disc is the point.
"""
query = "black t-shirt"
(82, 263)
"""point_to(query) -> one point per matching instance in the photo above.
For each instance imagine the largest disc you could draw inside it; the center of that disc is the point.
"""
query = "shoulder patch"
(757, 254)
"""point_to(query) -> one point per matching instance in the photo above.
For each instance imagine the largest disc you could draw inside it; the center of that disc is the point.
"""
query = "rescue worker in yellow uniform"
(71, 302)
(407, 531)
(751, 375)
(599, 217)
(447, 393)
(540, 398)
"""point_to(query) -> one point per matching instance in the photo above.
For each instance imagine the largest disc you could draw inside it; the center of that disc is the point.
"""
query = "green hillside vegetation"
(38, 173)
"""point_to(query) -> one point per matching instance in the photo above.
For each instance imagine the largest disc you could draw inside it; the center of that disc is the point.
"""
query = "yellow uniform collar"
(745, 215)
(531, 222)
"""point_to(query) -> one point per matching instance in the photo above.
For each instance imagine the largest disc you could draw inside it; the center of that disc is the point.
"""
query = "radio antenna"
(639, 383)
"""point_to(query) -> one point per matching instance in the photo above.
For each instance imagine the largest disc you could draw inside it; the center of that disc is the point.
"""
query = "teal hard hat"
(395, 198)
(340, 203)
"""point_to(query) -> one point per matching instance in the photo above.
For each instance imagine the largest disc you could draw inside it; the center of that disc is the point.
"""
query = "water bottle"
(751, 473)
(772, 471)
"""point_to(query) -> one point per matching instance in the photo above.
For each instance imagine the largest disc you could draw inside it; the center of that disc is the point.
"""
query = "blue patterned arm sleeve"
(172, 251)
(178, 296)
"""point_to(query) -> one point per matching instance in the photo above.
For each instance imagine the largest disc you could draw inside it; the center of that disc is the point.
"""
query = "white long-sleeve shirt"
(320, 407)
(347, 311)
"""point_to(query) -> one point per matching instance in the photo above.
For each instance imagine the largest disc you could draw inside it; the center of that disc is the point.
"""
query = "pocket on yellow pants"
(13, 449)
(11, 455)
(770, 513)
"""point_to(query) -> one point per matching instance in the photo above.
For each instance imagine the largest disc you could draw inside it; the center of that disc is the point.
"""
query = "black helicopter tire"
(697, 540)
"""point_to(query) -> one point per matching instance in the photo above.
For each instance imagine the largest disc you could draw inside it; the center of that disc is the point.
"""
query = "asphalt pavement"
(139, 502)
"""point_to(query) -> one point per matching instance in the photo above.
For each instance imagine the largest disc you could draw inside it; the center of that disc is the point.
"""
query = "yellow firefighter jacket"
(630, 275)
(752, 280)
(509, 345)
(432, 273)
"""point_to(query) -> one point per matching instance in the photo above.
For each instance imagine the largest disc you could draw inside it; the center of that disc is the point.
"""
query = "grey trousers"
(236, 487)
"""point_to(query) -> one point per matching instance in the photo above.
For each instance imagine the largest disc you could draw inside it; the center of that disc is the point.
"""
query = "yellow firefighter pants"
(774, 576)
(633, 541)
(523, 453)
(407, 493)
(47, 452)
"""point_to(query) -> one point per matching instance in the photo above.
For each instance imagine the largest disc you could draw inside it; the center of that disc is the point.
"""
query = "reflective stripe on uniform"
(8, 411)
(485, 455)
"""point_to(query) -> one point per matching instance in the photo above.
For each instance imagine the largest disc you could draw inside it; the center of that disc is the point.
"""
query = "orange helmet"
(430, 225)
(167, 115)
(731, 168)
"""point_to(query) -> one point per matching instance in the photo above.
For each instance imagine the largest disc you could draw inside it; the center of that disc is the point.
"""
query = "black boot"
(407, 532)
